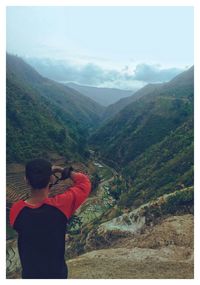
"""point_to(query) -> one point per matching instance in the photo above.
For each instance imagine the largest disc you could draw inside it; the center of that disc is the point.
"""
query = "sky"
(122, 47)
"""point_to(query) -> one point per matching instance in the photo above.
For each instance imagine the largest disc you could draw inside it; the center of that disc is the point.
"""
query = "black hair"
(38, 172)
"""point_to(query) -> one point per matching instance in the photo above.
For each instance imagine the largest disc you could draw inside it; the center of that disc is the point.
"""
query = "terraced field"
(17, 189)
(12, 258)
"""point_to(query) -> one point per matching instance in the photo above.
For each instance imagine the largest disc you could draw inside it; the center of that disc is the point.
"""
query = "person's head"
(38, 173)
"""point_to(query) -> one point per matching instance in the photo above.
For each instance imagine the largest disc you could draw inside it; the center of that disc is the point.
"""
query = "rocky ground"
(163, 251)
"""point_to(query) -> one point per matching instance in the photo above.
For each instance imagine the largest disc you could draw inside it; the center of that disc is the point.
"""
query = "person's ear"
(52, 179)
(26, 180)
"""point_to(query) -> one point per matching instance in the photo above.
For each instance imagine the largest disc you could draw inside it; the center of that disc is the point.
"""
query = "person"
(41, 220)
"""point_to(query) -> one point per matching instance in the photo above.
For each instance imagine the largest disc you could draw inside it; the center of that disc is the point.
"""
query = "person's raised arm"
(75, 195)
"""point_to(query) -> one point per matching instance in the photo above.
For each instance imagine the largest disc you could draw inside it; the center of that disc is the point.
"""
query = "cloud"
(153, 73)
(92, 74)
(95, 75)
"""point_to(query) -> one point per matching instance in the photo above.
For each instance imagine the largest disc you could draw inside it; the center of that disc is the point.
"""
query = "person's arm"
(81, 188)
(74, 196)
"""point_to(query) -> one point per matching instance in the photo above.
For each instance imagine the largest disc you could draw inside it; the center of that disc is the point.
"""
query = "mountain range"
(182, 81)
(155, 110)
(58, 71)
(150, 141)
(147, 137)
(139, 154)
(103, 96)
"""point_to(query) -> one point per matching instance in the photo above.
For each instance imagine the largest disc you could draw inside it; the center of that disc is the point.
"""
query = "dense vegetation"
(139, 126)
(179, 86)
(34, 129)
(151, 141)
(146, 121)
(45, 117)
(163, 168)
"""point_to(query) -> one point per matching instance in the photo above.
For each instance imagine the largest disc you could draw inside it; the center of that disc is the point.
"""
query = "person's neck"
(38, 195)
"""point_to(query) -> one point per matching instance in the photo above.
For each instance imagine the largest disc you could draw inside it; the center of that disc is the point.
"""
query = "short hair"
(38, 173)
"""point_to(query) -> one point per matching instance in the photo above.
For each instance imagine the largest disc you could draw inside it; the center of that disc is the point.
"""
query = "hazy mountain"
(52, 69)
(115, 108)
(103, 96)
(181, 81)
(44, 116)
(58, 71)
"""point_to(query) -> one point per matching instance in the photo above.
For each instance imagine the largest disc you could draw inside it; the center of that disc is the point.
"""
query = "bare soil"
(164, 251)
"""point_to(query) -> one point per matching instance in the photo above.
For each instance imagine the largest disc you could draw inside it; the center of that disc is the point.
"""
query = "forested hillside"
(146, 121)
(115, 108)
(151, 141)
(45, 117)
(181, 84)
(165, 167)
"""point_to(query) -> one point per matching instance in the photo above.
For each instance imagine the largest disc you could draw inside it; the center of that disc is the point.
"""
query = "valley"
(139, 154)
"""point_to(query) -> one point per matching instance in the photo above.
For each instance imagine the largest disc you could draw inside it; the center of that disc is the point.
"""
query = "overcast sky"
(141, 42)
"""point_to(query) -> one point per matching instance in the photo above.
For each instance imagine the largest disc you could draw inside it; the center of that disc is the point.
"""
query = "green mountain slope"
(151, 142)
(36, 128)
(44, 117)
(80, 107)
(115, 108)
(183, 82)
(162, 168)
(146, 121)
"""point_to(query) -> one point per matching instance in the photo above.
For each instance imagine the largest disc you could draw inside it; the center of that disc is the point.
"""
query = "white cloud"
(93, 74)
(154, 73)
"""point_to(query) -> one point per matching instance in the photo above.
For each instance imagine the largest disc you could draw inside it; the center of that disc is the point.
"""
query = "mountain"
(116, 107)
(147, 120)
(52, 69)
(141, 212)
(103, 96)
(58, 70)
(162, 168)
(45, 117)
(77, 105)
(180, 81)
(150, 141)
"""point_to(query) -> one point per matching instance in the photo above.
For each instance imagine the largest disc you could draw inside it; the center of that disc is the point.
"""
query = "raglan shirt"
(41, 230)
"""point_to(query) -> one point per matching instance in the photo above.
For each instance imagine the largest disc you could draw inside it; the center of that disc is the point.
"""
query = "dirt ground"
(128, 264)
(164, 251)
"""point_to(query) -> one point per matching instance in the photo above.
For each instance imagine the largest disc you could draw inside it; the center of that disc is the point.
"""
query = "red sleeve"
(15, 210)
(70, 200)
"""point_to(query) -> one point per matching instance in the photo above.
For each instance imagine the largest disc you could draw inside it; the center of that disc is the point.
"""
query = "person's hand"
(56, 169)
(66, 172)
